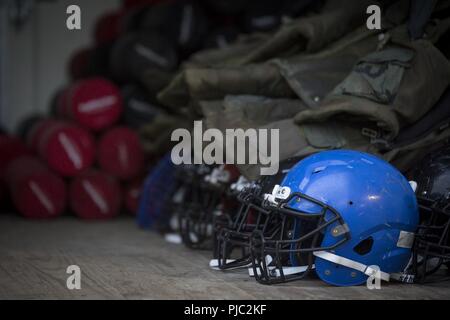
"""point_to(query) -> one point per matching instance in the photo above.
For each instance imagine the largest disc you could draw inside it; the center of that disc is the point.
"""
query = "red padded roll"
(11, 148)
(129, 4)
(120, 153)
(36, 192)
(132, 194)
(3, 195)
(94, 103)
(95, 195)
(68, 149)
(107, 27)
(78, 66)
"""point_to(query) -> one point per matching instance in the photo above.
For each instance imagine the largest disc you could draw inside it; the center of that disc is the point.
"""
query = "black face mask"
(232, 247)
(205, 202)
(432, 242)
(195, 209)
(287, 254)
(233, 236)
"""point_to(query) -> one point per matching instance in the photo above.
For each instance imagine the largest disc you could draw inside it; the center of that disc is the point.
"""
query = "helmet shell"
(374, 199)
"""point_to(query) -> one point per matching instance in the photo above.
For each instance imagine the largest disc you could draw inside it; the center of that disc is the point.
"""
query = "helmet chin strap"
(275, 272)
(173, 238)
(214, 264)
(367, 270)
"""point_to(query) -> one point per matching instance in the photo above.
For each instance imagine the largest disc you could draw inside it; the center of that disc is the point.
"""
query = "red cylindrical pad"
(35, 132)
(132, 194)
(107, 27)
(95, 103)
(11, 148)
(129, 4)
(79, 63)
(67, 148)
(63, 108)
(36, 192)
(3, 195)
(95, 195)
(120, 153)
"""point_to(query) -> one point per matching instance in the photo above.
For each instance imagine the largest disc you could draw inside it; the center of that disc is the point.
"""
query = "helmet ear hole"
(364, 247)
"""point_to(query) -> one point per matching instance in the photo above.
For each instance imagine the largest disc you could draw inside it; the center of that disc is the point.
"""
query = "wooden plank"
(119, 261)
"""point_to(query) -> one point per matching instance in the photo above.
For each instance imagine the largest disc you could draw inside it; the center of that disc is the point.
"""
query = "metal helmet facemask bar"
(432, 242)
(205, 203)
(233, 241)
(272, 256)
(199, 201)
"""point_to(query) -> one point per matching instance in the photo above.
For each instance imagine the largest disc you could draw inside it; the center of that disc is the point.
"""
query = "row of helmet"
(342, 216)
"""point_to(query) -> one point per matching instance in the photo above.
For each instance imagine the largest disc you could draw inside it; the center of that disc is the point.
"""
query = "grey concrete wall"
(35, 57)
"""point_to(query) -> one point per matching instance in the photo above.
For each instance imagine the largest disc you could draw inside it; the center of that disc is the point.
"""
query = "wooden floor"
(119, 261)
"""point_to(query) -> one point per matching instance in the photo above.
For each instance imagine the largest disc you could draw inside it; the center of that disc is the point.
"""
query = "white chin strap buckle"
(278, 193)
(214, 264)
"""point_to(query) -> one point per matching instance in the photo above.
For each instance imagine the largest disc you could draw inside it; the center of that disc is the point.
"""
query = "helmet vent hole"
(350, 203)
(364, 247)
(319, 169)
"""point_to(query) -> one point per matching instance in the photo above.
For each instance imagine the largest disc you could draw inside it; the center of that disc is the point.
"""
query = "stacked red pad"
(10, 149)
(36, 192)
(93, 103)
(120, 153)
(132, 193)
(95, 195)
(67, 148)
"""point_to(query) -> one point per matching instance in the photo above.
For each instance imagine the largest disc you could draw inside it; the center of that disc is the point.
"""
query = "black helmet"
(432, 243)
(204, 199)
(232, 241)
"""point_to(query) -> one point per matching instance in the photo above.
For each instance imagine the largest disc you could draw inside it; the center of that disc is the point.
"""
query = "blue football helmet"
(345, 215)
